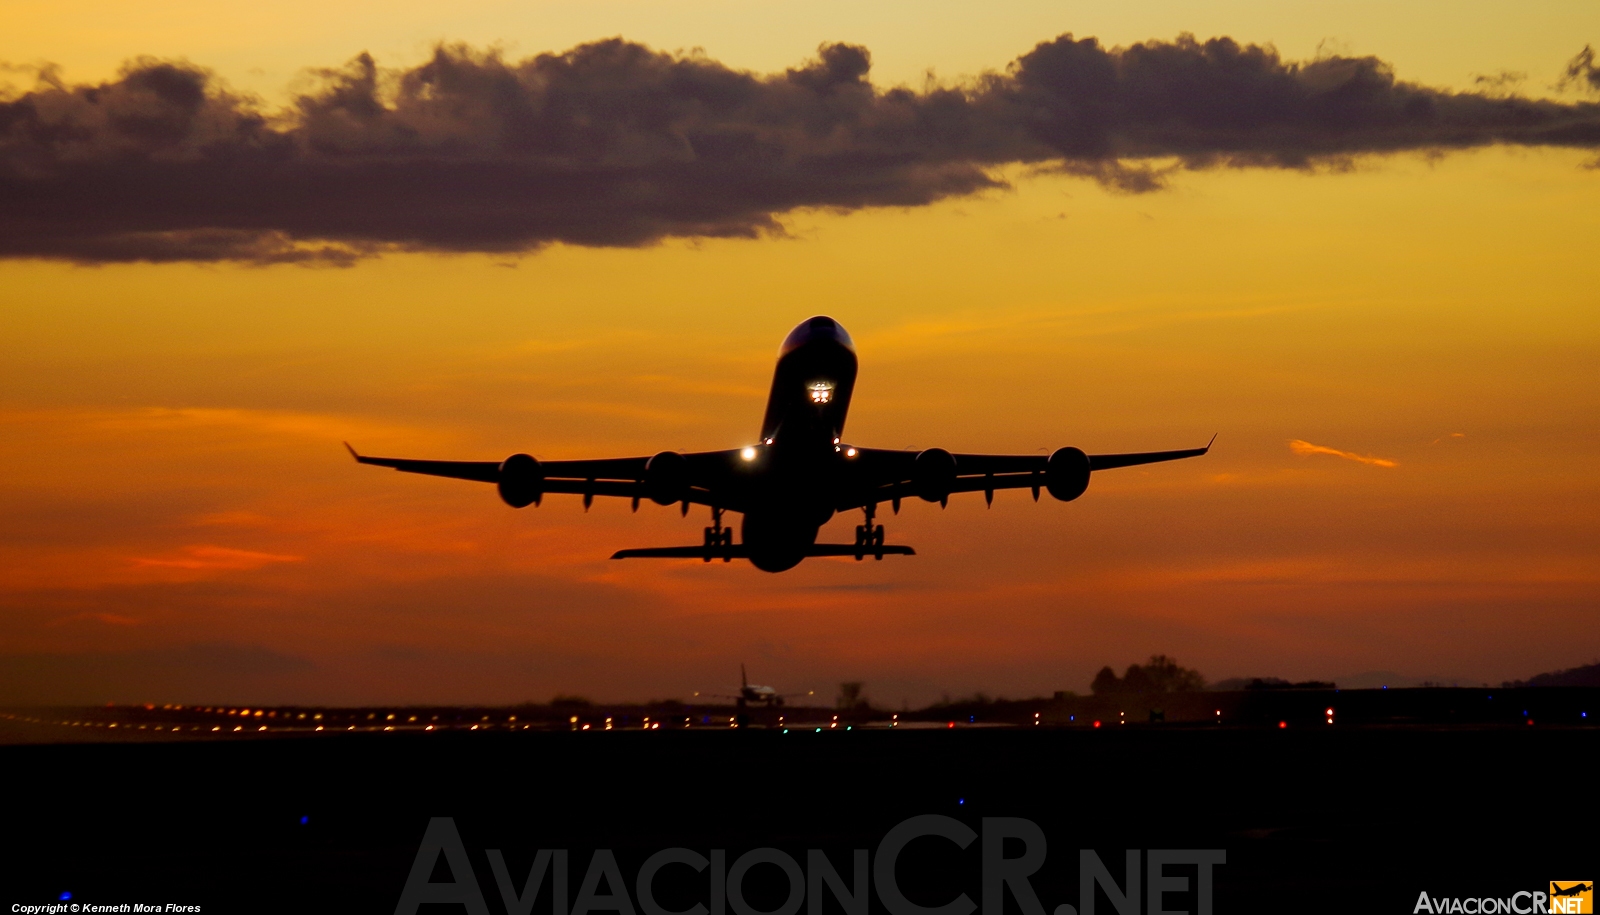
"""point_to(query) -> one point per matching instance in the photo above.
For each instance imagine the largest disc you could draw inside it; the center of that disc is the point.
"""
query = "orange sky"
(1400, 359)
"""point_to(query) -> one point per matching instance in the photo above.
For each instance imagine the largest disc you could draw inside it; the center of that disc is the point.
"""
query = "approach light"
(749, 454)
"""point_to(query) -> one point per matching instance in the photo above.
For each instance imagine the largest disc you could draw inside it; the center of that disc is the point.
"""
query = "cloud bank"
(614, 144)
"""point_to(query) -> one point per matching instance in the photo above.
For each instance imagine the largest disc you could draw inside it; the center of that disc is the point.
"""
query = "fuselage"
(800, 456)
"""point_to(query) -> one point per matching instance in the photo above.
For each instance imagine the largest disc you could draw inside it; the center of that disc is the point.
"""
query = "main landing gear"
(718, 538)
(869, 537)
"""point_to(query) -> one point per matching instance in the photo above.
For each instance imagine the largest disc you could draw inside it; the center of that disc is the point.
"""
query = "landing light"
(850, 452)
(821, 392)
(749, 453)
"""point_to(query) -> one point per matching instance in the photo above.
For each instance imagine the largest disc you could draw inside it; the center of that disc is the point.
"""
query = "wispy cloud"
(216, 558)
(1305, 448)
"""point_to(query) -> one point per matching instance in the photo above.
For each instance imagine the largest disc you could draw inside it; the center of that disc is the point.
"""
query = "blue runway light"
(961, 800)
(304, 820)
(65, 895)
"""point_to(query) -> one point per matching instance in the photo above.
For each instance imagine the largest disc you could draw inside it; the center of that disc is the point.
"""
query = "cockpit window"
(821, 392)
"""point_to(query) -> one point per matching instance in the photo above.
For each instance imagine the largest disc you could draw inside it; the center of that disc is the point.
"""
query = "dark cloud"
(1581, 71)
(612, 143)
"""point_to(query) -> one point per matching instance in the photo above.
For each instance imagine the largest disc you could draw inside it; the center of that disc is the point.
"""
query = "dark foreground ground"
(1312, 818)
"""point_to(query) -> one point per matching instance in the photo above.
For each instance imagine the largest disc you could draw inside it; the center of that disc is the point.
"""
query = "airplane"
(762, 695)
(1575, 890)
(795, 476)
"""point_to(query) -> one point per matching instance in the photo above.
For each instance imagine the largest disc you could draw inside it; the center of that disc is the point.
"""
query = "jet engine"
(521, 480)
(666, 478)
(1066, 474)
(933, 473)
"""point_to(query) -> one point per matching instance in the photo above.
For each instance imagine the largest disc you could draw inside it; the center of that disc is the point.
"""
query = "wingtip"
(1212, 442)
(352, 452)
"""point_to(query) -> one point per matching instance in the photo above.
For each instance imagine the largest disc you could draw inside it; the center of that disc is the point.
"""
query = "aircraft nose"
(817, 328)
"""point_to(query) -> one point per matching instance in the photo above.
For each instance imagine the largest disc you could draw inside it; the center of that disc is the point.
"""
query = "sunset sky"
(1391, 319)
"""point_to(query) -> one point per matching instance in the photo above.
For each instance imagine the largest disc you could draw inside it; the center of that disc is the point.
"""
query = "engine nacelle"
(933, 473)
(1066, 474)
(521, 480)
(666, 478)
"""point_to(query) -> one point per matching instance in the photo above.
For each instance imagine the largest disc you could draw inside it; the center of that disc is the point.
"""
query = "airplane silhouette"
(1574, 890)
(796, 476)
(749, 693)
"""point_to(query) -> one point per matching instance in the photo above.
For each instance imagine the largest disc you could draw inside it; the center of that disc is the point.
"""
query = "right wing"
(886, 475)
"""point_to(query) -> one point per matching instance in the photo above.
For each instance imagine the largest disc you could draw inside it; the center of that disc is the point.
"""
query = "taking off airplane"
(797, 475)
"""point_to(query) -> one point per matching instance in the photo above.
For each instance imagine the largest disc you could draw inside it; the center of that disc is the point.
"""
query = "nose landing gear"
(718, 538)
(869, 537)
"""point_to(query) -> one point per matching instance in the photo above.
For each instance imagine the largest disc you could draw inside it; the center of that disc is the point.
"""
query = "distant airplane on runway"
(763, 695)
(796, 476)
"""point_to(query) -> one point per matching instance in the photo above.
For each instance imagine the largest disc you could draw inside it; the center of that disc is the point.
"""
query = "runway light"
(748, 453)
(950, 725)
(1283, 724)
(1097, 724)
(304, 820)
(961, 800)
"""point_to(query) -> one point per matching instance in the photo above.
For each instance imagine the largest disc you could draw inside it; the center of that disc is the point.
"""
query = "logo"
(1572, 897)
(1566, 897)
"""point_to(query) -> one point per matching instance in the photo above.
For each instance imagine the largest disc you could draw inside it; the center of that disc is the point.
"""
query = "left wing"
(618, 477)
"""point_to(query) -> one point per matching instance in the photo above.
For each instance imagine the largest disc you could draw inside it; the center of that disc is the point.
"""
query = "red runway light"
(1097, 724)
(1283, 724)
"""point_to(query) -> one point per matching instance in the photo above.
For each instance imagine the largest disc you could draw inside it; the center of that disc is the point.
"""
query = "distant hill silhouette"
(1239, 683)
(1588, 675)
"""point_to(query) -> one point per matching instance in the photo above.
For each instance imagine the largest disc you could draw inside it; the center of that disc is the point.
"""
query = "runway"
(1330, 819)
